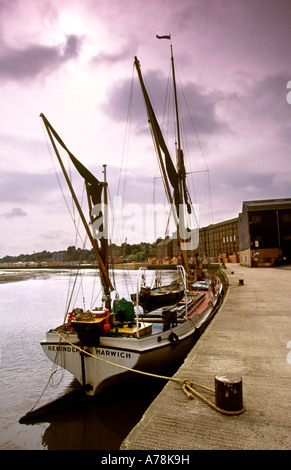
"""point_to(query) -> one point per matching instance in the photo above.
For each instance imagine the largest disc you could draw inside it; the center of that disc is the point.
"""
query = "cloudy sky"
(73, 61)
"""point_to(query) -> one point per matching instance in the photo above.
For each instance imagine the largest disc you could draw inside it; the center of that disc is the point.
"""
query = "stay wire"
(200, 147)
(127, 278)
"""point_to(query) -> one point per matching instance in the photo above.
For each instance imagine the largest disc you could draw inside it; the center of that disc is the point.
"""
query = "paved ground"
(249, 336)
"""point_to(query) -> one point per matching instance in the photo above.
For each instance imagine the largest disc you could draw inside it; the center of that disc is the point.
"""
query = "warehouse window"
(286, 218)
(256, 219)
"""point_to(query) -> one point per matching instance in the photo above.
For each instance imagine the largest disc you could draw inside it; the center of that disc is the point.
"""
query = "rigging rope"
(187, 385)
(60, 184)
(126, 137)
(200, 147)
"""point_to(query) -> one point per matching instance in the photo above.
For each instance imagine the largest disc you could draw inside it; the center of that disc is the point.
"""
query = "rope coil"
(188, 389)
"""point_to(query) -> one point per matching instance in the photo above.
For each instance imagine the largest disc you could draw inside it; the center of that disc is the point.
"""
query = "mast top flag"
(166, 36)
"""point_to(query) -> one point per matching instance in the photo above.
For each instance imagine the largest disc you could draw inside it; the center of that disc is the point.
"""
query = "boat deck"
(152, 323)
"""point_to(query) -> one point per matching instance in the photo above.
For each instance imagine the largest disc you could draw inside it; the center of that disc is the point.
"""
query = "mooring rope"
(188, 389)
(187, 385)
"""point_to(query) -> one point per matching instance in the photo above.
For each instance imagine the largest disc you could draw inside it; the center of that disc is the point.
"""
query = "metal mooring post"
(228, 392)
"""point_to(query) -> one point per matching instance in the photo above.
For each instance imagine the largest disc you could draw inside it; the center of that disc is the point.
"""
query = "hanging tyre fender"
(174, 339)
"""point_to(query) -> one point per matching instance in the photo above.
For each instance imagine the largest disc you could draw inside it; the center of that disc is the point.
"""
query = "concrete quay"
(248, 337)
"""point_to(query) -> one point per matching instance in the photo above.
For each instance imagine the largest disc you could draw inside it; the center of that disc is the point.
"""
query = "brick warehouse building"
(220, 241)
(257, 237)
(264, 231)
(217, 242)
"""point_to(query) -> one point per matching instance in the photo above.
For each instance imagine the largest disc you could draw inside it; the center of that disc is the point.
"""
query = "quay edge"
(249, 336)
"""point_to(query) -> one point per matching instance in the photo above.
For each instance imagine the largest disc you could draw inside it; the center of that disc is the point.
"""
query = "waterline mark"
(142, 222)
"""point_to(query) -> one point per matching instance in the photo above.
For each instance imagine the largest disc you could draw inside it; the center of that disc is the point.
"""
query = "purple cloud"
(14, 212)
(21, 64)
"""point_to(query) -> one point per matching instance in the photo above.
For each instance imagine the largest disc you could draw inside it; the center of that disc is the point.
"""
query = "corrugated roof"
(267, 204)
(225, 222)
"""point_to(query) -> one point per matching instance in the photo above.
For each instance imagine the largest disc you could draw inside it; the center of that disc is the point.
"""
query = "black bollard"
(228, 392)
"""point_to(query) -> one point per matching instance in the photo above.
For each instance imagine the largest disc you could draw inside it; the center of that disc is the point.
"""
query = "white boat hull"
(116, 357)
(96, 371)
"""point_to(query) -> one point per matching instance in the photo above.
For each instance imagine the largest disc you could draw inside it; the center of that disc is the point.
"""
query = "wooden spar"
(156, 141)
(180, 164)
(105, 223)
(164, 174)
(105, 214)
(104, 274)
(176, 104)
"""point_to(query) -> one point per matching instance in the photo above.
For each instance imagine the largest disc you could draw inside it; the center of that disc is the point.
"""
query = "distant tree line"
(117, 253)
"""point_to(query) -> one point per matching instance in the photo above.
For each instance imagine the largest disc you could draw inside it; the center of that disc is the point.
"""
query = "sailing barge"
(100, 346)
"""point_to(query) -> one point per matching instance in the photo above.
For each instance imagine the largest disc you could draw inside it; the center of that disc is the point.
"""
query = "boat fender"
(174, 339)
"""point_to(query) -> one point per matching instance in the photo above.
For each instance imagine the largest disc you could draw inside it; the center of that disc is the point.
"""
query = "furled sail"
(94, 191)
(171, 170)
(178, 196)
(159, 139)
(95, 186)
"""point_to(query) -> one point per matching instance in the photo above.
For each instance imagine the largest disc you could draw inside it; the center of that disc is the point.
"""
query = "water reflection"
(101, 422)
(27, 310)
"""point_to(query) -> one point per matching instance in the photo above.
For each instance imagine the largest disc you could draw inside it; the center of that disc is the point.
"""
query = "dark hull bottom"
(163, 362)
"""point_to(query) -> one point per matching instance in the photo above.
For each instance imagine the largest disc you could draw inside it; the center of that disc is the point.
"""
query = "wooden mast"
(105, 215)
(180, 167)
(180, 164)
(156, 140)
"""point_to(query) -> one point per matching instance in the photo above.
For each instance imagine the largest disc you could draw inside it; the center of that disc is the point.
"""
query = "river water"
(28, 309)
